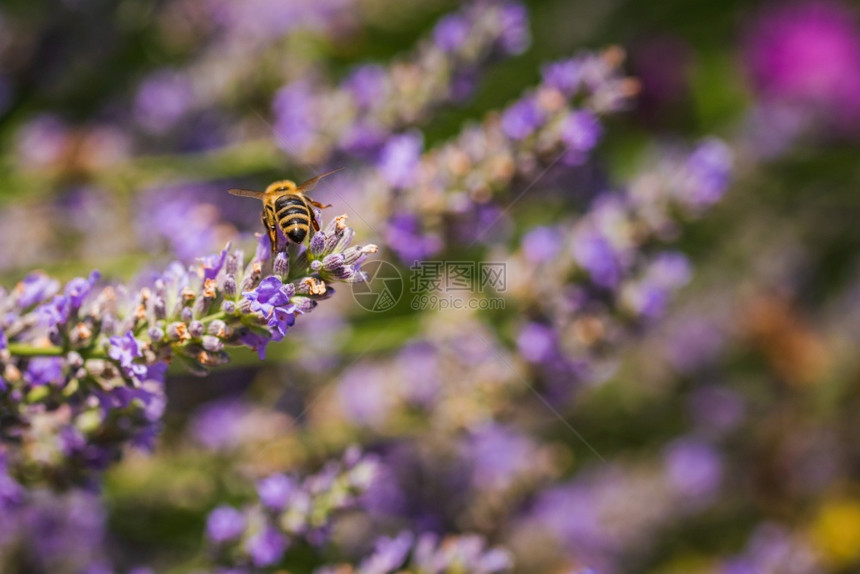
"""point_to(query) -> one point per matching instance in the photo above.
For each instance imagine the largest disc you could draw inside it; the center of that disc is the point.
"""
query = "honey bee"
(285, 205)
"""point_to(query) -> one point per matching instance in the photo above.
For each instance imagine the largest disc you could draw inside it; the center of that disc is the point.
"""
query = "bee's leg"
(318, 204)
(314, 223)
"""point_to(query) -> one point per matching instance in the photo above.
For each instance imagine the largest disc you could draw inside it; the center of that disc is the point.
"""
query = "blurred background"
(666, 381)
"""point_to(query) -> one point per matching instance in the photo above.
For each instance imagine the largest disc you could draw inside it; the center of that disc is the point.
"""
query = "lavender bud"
(316, 265)
(187, 315)
(229, 286)
(75, 360)
(159, 308)
(217, 328)
(333, 261)
(252, 277)
(232, 264)
(160, 289)
(281, 266)
(196, 329)
(177, 332)
(155, 334)
(229, 307)
(303, 304)
(310, 286)
(317, 243)
(212, 343)
(356, 254)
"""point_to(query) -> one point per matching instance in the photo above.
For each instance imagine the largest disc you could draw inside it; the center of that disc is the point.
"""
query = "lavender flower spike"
(83, 368)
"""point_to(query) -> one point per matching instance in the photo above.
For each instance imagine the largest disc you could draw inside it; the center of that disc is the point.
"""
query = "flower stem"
(22, 350)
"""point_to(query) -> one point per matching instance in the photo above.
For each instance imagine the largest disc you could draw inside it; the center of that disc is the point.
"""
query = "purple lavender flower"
(125, 350)
(404, 236)
(294, 117)
(162, 100)
(45, 371)
(593, 251)
(694, 468)
(78, 289)
(275, 490)
(272, 299)
(537, 342)
(34, 289)
(498, 456)
(213, 264)
(400, 159)
(564, 76)
(451, 32)
(516, 36)
(580, 132)
(54, 313)
(709, 168)
(521, 119)
(4, 342)
(808, 53)
(266, 547)
(367, 84)
(541, 244)
(389, 554)
(224, 524)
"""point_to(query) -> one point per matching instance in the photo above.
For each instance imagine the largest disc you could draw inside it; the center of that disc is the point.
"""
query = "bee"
(285, 205)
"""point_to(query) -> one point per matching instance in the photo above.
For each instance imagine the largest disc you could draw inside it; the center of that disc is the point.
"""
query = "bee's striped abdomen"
(293, 217)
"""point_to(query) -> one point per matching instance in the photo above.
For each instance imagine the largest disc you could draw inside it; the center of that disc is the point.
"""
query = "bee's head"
(281, 186)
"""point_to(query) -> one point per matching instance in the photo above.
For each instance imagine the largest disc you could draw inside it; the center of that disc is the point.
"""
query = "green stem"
(214, 317)
(22, 350)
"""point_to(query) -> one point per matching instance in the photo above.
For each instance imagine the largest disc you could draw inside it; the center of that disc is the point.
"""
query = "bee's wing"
(246, 193)
(312, 182)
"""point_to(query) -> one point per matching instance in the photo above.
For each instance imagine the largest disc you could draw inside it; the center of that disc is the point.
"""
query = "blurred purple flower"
(694, 468)
(79, 289)
(521, 119)
(516, 36)
(404, 236)
(808, 53)
(497, 455)
(162, 100)
(542, 244)
(565, 76)
(125, 350)
(710, 170)
(451, 33)
(400, 159)
(294, 117)
(580, 132)
(45, 371)
(388, 555)
(593, 251)
(35, 288)
(364, 395)
(266, 547)
(54, 313)
(537, 342)
(367, 84)
(224, 524)
(275, 490)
